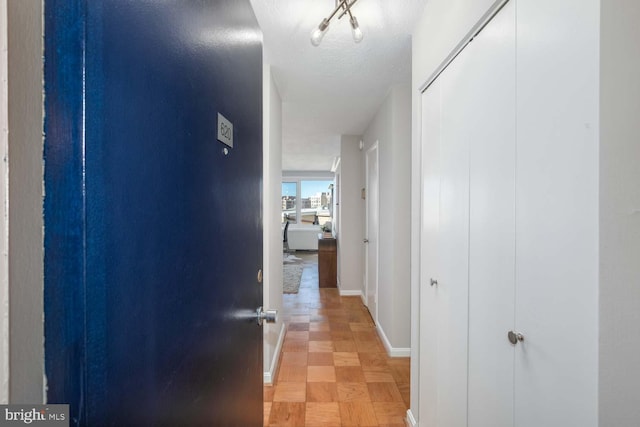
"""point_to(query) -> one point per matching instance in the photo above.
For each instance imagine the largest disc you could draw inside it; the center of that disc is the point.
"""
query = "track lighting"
(345, 7)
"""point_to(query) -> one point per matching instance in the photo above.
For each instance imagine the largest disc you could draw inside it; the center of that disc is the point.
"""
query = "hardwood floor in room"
(334, 370)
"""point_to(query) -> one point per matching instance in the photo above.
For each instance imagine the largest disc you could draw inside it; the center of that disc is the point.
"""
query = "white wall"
(619, 214)
(351, 214)
(4, 210)
(25, 195)
(391, 127)
(307, 175)
(272, 204)
(401, 219)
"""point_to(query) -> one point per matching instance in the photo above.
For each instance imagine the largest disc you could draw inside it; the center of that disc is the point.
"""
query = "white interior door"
(513, 241)
(445, 250)
(430, 223)
(372, 226)
(490, 123)
(453, 248)
(557, 208)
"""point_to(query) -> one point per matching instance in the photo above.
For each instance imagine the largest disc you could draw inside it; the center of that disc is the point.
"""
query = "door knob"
(515, 337)
(269, 316)
(366, 240)
(433, 282)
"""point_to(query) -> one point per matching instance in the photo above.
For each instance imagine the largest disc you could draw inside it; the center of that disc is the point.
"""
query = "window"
(308, 200)
(289, 199)
(315, 202)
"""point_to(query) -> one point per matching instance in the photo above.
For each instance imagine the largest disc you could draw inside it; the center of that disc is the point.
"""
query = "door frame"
(4, 207)
(21, 194)
(373, 150)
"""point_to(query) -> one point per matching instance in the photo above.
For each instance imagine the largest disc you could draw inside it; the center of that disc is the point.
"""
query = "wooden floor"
(334, 370)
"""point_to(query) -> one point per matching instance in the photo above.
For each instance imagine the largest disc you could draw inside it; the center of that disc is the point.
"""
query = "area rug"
(291, 275)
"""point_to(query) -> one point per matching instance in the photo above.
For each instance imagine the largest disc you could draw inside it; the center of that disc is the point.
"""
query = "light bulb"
(355, 29)
(357, 35)
(316, 36)
(318, 33)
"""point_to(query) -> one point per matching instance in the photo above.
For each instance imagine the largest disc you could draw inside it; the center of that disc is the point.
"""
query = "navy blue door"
(153, 234)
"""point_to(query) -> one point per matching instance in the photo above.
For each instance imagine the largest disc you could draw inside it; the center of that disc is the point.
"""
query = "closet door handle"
(433, 282)
(515, 337)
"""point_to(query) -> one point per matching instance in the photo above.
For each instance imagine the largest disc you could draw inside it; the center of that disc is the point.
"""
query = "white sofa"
(303, 237)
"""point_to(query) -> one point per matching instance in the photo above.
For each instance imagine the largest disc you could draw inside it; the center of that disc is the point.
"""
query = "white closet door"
(557, 214)
(429, 256)
(453, 246)
(372, 224)
(492, 129)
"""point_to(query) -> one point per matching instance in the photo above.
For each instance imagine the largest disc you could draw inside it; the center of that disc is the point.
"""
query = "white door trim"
(4, 208)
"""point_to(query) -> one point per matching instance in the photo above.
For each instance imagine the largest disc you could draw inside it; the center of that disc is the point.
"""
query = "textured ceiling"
(336, 88)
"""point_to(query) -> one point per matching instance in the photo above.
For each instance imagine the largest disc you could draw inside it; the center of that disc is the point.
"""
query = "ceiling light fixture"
(343, 6)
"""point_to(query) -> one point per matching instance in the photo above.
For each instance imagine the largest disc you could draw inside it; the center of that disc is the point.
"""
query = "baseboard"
(392, 351)
(350, 293)
(271, 375)
(410, 420)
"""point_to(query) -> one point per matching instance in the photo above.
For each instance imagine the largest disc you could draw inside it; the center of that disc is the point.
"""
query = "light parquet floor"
(333, 369)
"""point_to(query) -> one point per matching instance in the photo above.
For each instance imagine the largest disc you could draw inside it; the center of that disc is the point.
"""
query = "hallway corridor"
(334, 370)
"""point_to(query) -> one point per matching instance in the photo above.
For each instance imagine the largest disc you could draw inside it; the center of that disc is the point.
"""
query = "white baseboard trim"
(271, 374)
(350, 293)
(410, 420)
(392, 351)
